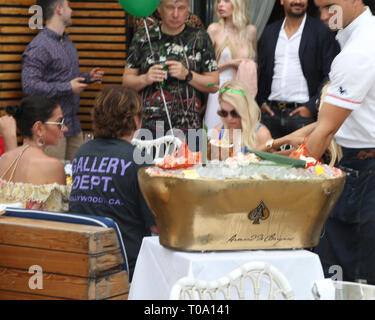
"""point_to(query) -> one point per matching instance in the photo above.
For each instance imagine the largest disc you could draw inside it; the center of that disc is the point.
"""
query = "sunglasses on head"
(60, 124)
(223, 113)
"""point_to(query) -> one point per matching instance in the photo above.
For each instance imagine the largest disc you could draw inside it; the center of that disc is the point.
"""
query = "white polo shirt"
(288, 82)
(352, 79)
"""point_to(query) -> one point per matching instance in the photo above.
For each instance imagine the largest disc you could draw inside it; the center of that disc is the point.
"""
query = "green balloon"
(139, 8)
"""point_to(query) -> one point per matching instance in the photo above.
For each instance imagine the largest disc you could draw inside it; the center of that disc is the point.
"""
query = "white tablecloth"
(158, 268)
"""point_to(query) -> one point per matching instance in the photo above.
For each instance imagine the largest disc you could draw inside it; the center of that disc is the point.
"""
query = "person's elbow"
(26, 87)
(327, 131)
(130, 78)
(130, 81)
(29, 90)
(35, 87)
(333, 130)
(216, 78)
(213, 89)
(213, 85)
(125, 81)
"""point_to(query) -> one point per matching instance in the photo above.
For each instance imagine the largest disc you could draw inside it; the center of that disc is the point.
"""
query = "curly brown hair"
(114, 111)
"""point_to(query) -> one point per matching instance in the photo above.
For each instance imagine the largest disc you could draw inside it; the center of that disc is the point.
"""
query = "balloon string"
(148, 36)
(161, 89)
(166, 108)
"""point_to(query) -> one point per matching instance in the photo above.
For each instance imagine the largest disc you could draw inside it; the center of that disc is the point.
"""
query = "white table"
(158, 268)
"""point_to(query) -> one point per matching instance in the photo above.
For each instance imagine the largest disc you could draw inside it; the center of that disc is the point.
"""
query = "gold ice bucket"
(234, 214)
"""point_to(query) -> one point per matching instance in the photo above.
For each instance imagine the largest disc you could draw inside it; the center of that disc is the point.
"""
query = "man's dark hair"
(371, 4)
(48, 7)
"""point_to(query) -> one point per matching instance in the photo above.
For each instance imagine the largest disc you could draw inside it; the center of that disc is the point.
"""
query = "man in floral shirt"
(182, 62)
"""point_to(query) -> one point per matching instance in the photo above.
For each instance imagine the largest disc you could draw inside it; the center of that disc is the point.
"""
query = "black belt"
(285, 105)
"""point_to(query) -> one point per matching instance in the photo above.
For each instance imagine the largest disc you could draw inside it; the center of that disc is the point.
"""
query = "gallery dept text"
(191, 309)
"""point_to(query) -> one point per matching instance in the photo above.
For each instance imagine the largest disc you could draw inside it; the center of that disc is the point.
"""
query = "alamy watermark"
(337, 275)
(196, 140)
(36, 280)
(36, 21)
(336, 20)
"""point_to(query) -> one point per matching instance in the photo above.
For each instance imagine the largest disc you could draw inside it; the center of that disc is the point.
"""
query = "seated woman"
(241, 125)
(240, 115)
(27, 174)
(8, 134)
(242, 129)
(105, 170)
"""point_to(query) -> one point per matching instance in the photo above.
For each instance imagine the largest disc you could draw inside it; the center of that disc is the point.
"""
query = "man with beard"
(50, 68)
(295, 56)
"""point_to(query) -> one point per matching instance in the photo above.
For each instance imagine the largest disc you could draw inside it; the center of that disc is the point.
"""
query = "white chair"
(328, 289)
(261, 277)
(171, 144)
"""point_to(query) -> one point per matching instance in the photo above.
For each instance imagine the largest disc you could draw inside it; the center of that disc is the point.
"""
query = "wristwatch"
(189, 76)
(269, 144)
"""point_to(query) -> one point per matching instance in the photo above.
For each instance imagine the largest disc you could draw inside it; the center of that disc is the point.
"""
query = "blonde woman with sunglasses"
(235, 43)
(240, 117)
(27, 174)
(241, 126)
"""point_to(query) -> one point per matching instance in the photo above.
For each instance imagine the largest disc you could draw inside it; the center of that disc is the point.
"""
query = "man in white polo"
(349, 116)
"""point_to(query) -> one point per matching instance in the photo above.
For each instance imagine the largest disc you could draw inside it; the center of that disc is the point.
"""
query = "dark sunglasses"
(223, 113)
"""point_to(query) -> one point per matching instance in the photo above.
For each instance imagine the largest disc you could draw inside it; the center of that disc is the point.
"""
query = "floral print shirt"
(194, 49)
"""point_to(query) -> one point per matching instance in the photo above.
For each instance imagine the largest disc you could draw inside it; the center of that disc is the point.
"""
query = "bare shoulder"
(251, 31)
(4, 160)
(8, 157)
(52, 170)
(214, 29)
(251, 28)
(52, 164)
(263, 135)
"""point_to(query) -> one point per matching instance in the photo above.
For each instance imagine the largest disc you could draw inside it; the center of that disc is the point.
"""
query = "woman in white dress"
(235, 43)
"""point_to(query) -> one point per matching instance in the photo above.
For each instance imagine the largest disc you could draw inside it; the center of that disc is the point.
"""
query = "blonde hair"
(246, 107)
(240, 16)
(334, 150)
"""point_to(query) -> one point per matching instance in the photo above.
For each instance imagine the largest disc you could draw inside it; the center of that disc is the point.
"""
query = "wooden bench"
(76, 261)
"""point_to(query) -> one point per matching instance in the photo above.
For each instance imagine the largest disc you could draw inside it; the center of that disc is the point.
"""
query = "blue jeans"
(349, 235)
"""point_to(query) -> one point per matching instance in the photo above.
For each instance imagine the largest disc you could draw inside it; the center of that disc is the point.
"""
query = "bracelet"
(269, 144)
